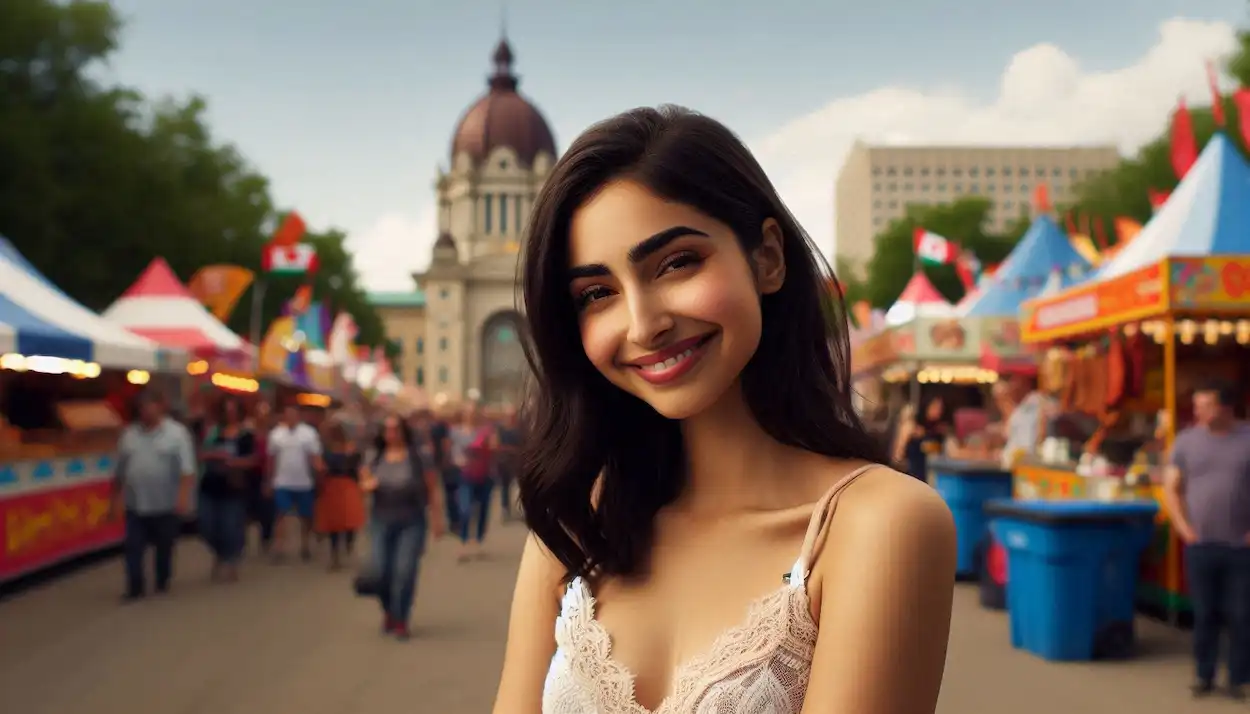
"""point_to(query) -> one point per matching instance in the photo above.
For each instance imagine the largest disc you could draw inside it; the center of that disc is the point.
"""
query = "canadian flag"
(295, 259)
(932, 248)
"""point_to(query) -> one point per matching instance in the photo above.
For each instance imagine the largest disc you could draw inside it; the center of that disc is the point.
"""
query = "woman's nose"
(649, 319)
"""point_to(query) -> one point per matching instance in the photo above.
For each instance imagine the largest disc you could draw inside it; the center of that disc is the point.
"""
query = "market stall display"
(1073, 569)
(1168, 310)
(60, 364)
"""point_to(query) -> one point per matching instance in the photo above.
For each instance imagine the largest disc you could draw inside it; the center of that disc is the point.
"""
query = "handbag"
(368, 582)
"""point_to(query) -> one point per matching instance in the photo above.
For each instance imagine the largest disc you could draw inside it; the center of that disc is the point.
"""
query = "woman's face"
(391, 432)
(934, 411)
(668, 304)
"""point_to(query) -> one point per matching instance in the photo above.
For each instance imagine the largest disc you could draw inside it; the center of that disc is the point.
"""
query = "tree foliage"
(96, 181)
(894, 258)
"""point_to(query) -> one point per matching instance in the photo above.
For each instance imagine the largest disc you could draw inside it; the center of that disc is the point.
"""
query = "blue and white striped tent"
(38, 319)
(1207, 214)
(1043, 251)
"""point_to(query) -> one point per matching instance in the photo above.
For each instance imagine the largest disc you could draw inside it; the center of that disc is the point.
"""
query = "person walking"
(406, 502)
(506, 459)
(229, 453)
(152, 489)
(260, 508)
(295, 459)
(1207, 494)
(474, 442)
(340, 504)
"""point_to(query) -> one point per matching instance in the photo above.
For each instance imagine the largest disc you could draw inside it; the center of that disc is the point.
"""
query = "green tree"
(894, 258)
(96, 181)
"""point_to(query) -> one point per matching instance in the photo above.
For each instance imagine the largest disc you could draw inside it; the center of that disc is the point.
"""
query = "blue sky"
(349, 106)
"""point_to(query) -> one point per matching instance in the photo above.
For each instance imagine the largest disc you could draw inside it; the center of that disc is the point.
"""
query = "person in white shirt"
(295, 460)
(1024, 426)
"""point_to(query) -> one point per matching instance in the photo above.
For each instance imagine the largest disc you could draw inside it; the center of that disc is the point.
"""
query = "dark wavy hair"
(585, 434)
(405, 433)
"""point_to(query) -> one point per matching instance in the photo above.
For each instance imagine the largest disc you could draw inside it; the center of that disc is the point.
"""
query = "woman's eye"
(677, 261)
(590, 295)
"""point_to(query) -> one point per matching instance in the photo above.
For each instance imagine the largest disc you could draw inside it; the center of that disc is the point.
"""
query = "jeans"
(505, 491)
(260, 510)
(1219, 586)
(451, 499)
(475, 505)
(397, 549)
(158, 530)
(223, 525)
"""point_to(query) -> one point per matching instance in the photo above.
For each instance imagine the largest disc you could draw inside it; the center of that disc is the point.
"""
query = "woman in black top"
(229, 451)
(925, 437)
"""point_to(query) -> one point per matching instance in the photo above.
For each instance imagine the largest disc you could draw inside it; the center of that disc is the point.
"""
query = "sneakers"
(391, 626)
(1201, 688)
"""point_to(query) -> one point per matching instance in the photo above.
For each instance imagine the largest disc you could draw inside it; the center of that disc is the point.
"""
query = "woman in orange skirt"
(340, 503)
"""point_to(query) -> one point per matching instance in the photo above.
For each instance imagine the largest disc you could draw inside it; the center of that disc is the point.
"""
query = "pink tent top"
(160, 307)
(919, 299)
(920, 291)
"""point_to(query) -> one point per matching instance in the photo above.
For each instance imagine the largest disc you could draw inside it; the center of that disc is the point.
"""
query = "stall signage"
(1095, 306)
(41, 528)
(1213, 282)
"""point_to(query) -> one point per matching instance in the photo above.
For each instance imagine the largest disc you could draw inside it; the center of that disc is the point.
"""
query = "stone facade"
(462, 338)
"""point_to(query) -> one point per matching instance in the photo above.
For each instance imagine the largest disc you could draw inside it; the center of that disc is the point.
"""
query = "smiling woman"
(691, 433)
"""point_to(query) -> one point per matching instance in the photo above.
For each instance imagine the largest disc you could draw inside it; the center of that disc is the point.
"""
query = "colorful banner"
(1095, 306)
(1213, 283)
(42, 528)
(943, 340)
(219, 287)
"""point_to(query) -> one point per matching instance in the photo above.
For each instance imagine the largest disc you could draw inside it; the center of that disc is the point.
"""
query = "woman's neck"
(731, 460)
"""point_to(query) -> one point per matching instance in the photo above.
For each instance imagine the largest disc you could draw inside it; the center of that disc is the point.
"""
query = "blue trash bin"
(1074, 567)
(966, 486)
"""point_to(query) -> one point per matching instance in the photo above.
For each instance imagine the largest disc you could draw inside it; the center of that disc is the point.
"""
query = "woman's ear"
(769, 258)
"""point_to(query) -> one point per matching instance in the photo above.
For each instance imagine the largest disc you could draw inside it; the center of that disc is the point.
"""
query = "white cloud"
(396, 245)
(1045, 97)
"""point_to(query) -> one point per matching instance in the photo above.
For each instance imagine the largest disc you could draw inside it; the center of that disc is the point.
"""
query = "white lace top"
(760, 666)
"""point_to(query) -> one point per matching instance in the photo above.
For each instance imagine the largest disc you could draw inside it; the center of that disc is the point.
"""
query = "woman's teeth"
(670, 362)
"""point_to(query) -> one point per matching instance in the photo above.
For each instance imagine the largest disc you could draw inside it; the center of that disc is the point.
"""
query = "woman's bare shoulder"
(886, 499)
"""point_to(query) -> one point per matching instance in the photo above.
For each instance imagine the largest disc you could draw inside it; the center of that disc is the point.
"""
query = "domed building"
(460, 333)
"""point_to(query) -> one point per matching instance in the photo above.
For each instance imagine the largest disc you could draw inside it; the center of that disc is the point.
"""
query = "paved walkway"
(292, 638)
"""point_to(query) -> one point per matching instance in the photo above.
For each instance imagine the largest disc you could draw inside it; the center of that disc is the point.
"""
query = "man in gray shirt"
(153, 482)
(1207, 494)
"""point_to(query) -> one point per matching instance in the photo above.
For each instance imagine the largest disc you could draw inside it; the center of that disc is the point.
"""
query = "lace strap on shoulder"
(818, 527)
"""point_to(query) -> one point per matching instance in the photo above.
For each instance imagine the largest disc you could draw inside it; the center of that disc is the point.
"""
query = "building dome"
(502, 117)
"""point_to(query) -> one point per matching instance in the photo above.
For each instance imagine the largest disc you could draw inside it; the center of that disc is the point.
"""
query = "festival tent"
(160, 307)
(1208, 214)
(1043, 250)
(922, 330)
(1188, 260)
(39, 319)
(919, 299)
(1044, 259)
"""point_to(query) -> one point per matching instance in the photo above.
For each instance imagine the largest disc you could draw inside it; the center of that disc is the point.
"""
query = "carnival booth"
(160, 307)
(1127, 348)
(65, 374)
(1043, 253)
(1043, 258)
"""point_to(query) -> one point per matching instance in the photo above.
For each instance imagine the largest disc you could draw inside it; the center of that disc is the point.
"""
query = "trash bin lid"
(966, 467)
(1074, 511)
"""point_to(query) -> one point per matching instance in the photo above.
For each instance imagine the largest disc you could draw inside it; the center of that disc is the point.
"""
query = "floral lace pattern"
(758, 667)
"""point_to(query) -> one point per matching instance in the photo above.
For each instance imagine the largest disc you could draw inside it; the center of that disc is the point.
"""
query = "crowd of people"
(309, 480)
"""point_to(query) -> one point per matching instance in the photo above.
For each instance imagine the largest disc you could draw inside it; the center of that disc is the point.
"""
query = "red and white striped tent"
(159, 306)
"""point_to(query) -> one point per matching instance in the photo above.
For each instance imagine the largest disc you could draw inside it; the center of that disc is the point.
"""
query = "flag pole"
(258, 304)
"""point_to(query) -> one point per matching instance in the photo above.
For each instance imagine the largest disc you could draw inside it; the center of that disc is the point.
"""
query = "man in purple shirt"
(1207, 494)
